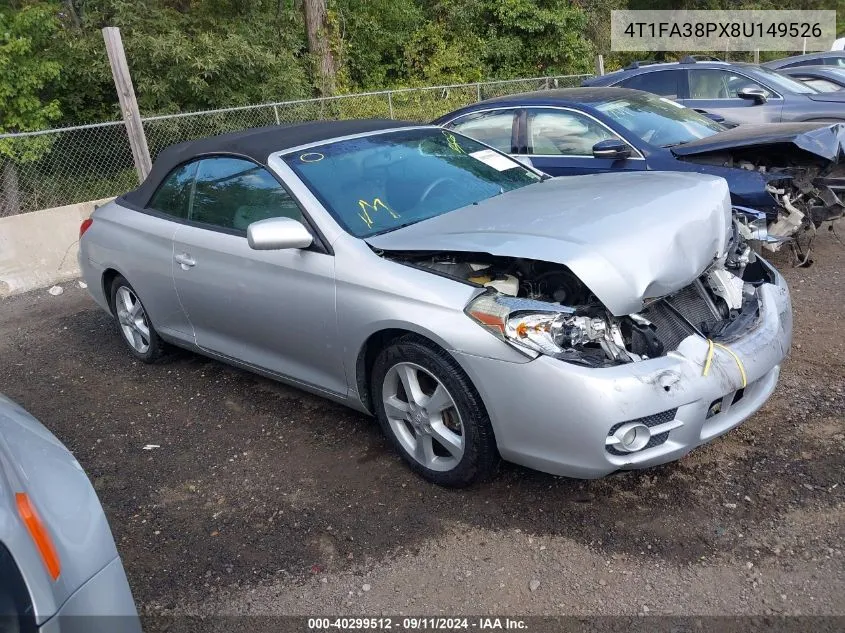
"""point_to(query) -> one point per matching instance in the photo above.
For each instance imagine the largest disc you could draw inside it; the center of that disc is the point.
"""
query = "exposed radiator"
(671, 328)
(695, 307)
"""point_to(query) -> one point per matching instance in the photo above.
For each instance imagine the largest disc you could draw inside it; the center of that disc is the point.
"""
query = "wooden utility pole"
(128, 103)
(599, 64)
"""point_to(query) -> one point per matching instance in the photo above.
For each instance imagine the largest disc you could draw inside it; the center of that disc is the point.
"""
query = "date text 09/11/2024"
(416, 624)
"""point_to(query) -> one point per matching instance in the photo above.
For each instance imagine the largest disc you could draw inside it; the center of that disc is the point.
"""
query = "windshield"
(782, 82)
(381, 182)
(659, 121)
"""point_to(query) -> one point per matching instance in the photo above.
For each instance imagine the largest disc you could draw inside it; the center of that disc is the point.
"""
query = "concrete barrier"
(39, 249)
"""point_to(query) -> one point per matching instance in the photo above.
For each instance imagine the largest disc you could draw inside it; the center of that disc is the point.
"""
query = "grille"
(650, 421)
(672, 329)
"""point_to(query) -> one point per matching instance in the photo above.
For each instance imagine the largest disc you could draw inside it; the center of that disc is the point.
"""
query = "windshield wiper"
(398, 226)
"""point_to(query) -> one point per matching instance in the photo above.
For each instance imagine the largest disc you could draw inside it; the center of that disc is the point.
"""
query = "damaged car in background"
(478, 308)
(794, 173)
(798, 165)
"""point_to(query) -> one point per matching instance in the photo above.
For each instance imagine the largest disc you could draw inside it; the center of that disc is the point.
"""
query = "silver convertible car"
(478, 308)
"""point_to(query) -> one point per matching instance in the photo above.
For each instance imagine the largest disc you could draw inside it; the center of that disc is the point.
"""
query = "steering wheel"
(437, 183)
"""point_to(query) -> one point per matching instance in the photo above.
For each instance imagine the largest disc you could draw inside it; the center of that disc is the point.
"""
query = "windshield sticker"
(311, 157)
(670, 102)
(494, 159)
(453, 143)
(377, 204)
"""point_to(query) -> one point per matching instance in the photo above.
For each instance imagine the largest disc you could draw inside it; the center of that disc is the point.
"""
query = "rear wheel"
(429, 409)
(134, 323)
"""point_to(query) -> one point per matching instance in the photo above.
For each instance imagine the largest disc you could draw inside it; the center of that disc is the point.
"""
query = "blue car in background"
(789, 171)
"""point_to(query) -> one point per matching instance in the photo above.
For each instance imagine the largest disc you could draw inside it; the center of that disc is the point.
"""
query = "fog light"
(632, 437)
(714, 408)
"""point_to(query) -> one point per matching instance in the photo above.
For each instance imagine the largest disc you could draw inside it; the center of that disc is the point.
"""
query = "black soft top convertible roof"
(256, 144)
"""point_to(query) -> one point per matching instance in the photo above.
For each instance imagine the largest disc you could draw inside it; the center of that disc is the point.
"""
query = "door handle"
(185, 261)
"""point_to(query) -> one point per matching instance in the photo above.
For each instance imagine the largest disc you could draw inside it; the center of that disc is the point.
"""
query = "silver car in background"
(59, 568)
(475, 306)
(739, 92)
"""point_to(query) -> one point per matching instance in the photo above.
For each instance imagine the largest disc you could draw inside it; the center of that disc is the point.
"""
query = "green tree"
(183, 55)
(520, 38)
(24, 77)
(373, 38)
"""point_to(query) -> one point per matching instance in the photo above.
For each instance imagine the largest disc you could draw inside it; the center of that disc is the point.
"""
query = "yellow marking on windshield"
(453, 143)
(377, 204)
(311, 157)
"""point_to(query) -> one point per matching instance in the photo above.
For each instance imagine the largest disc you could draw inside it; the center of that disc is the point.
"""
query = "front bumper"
(555, 417)
(103, 604)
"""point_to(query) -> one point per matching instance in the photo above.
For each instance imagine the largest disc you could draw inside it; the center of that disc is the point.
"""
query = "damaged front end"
(808, 197)
(801, 170)
(543, 308)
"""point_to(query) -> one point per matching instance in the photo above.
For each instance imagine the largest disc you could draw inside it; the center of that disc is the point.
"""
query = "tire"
(135, 328)
(445, 433)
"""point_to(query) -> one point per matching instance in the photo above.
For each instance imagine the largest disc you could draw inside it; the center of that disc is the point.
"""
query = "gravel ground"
(264, 500)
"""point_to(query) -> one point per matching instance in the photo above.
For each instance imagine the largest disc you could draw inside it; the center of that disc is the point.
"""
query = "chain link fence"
(40, 170)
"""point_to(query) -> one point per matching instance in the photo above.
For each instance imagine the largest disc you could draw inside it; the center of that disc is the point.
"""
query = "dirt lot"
(262, 499)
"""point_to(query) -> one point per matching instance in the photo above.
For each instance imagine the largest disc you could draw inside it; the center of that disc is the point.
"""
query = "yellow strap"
(738, 363)
(709, 359)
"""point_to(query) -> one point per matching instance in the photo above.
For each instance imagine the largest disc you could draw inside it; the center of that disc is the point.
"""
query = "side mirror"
(757, 95)
(611, 148)
(274, 234)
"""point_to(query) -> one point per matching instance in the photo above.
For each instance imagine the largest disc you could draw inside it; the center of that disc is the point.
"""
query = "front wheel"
(134, 323)
(429, 409)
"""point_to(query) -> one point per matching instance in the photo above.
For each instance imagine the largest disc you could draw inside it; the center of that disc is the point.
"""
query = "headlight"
(536, 326)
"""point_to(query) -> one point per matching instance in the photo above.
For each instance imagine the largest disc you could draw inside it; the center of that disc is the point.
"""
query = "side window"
(232, 193)
(493, 128)
(665, 83)
(835, 61)
(564, 133)
(822, 85)
(712, 83)
(174, 195)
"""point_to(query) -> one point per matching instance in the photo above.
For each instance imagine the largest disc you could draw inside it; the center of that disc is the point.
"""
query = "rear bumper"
(556, 417)
(104, 604)
(92, 273)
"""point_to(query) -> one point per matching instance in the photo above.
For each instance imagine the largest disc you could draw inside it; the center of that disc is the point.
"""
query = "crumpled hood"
(824, 140)
(628, 236)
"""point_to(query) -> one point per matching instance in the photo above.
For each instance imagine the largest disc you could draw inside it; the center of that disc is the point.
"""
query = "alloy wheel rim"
(133, 320)
(423, 416)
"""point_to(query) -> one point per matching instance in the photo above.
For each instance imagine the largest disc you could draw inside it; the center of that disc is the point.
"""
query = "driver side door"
(272, 310)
